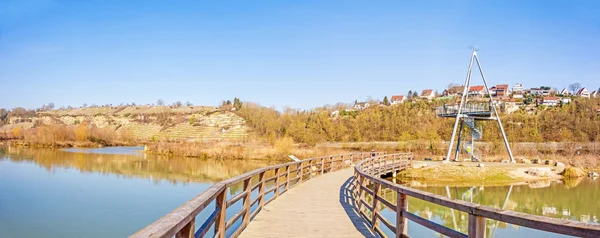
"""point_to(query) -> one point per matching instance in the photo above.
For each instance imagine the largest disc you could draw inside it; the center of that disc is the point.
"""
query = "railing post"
(360, 191)
(301, 175)
(310, 165)
(401, 221)
(221, 204)
(261, 189)
(287, 178)
(188, 230)
(277, 182)
(247, 201)
(476, 226)
(322, 166)
(376, 190)
(330, 163)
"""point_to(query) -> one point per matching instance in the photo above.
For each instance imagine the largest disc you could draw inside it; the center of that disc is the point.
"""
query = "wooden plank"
(187, 231)
(236, 198)
(254, 187)
(234, 218)
(220, 220)
(387, 223)
(170, 224)
(432, 225)
(255, 213)
(367, 190)
(387, 203)
(401, 221)
(367, 205)
(270, 190)
(476, 226)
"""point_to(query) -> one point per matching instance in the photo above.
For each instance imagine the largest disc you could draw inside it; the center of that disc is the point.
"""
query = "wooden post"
(476, 226)
(322, 165)
(301, 175)
(310, 165)
(401, 221)
(360, 190)
(188, 230)
(247, 204)
(220, 219)
(376, 190)
(287, 178)
(277, 182)
(261, 189)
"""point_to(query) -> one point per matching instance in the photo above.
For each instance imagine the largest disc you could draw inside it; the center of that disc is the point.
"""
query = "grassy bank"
(247, 150)
(435, 173)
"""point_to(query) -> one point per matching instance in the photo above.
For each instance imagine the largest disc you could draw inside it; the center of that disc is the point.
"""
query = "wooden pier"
(332, 196)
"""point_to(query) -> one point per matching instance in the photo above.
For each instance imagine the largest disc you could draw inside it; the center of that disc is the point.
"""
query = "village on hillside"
(510, 99)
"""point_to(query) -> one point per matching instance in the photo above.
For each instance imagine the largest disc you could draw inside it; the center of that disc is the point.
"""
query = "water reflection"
(54, 193)
(569, 200)
(130, 163)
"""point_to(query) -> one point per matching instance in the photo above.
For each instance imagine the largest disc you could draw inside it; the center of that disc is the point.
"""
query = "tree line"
(575, 122)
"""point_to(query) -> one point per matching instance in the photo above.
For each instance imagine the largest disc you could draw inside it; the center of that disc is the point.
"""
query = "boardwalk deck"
(320, 207)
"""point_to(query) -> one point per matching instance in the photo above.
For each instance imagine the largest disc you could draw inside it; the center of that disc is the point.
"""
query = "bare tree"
(160, 102)
(574, 87)
(188, 104)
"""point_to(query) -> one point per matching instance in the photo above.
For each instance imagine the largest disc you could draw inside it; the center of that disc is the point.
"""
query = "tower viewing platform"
(479, 110)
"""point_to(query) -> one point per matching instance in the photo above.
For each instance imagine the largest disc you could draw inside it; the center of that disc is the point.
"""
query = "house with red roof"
(500, 91)
(397, 99)
(427, 94)
(477, 91)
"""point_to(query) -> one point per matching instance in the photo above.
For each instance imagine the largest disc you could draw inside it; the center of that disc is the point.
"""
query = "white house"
(397, 99)
(583, 92)
(594, 94)
(539, 92)
(564, 92)
(518, 88)
(427, 94)
(518, 91)
(361, 105)
(565, 100)
(550, 101)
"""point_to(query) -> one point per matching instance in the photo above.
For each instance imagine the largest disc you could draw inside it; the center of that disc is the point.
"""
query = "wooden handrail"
(368, 171)
(180, 222)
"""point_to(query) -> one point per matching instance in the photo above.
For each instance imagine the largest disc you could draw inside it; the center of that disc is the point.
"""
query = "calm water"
(108, 192)
(573, 200)
(113, 192)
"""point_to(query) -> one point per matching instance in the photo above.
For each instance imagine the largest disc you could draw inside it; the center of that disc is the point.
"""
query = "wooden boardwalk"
(320, 207)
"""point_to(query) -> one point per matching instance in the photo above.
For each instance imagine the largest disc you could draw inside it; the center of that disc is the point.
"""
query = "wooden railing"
(369, 201)
(181, 221)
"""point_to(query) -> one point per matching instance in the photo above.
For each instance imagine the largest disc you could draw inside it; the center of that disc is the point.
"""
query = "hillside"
(140, 123)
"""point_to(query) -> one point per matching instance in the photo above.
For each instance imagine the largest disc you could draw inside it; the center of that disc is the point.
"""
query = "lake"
(115, 191)
(575, 199)
(107, 192)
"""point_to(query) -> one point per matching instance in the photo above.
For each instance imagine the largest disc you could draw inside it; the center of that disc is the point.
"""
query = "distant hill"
(190, 123)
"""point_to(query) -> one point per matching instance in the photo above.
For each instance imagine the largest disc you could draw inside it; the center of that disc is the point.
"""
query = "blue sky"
(301, 54)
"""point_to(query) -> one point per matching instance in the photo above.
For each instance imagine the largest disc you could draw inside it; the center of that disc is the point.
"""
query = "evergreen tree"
(386, 101)
(409, 94)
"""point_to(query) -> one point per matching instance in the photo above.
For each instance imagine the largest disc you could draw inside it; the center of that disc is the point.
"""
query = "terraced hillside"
(146, 122)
